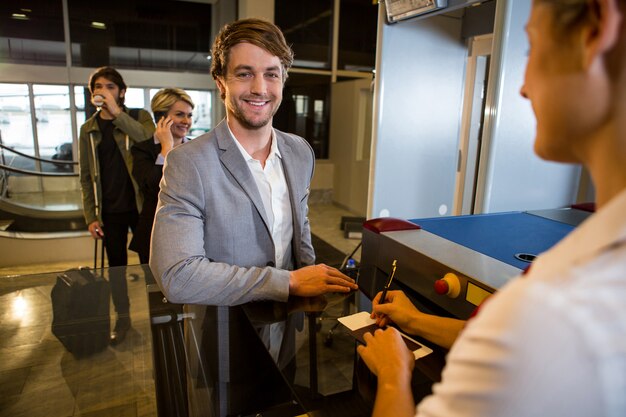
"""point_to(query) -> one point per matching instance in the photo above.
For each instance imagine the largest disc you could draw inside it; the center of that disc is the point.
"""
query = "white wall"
(71, 247)
(511, 176)
(420, 71)
(17, 73)
(350, 142)
(417, 111)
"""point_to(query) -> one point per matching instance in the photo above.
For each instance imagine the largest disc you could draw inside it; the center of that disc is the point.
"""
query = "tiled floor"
(325, 222)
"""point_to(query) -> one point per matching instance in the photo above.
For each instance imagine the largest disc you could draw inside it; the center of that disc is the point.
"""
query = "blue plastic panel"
(500, 235)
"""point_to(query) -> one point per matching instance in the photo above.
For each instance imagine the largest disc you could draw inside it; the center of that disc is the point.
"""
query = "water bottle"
(351, 270)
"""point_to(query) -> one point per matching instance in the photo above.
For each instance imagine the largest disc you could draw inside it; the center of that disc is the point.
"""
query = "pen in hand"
(386, 288)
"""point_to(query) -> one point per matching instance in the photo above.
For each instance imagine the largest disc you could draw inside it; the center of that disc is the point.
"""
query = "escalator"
(41, 217)
(40, 200)
(17, 217)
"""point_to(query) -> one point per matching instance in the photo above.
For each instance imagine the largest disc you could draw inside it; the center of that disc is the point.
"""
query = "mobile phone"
(158, 115)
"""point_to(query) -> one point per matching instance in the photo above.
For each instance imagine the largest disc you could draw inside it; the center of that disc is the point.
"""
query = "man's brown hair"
(110, 74)
(258, 32)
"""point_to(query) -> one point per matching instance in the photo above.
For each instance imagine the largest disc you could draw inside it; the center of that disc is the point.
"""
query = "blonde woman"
(172, 109)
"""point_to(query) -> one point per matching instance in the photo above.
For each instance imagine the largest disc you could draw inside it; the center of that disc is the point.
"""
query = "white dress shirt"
(272, 186)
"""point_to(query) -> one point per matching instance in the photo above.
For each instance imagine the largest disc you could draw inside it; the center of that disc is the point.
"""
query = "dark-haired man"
(110, 197)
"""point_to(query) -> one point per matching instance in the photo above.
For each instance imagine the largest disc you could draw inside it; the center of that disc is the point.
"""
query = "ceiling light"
(19, 16)
(98, 25)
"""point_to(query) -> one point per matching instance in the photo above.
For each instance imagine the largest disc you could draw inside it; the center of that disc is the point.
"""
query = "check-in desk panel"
(450, 264)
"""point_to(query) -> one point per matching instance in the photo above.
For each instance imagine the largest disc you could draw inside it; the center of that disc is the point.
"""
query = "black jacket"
(148, 176)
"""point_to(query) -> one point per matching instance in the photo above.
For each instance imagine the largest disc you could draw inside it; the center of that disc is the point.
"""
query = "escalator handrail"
(51, 161)
(38, 173)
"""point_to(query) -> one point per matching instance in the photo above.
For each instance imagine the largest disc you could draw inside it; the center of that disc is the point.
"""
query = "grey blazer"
(211, 243)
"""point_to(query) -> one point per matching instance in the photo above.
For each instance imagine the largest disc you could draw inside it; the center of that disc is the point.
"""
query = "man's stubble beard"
(239, 114)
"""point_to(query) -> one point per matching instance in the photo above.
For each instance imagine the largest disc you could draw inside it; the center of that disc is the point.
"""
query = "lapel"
(291, 170)
(233, 161)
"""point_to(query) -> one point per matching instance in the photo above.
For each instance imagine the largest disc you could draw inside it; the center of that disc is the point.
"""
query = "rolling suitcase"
(80, 309)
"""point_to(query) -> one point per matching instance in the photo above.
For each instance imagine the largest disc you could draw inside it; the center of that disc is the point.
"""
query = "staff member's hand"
(163, 134)
(95, 229)
(397, 308)
(400, 310)
(319, 279)
(386, 355)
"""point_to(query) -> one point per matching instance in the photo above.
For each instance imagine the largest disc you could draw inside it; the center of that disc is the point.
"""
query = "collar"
(156, 141)
(274, 152)
(91, 124)
(599, 233)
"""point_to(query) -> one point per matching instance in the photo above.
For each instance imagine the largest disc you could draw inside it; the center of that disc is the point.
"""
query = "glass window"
(307, 26)
(15, 120)
(134, 98)
(169, 35)
(302, 104)
(305, 110)
(31, 32)
(202, 121)
(79, 101)
(52, 112)
(358, 20)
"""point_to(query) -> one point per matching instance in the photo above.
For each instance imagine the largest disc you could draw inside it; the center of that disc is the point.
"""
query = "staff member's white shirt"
(550, 344)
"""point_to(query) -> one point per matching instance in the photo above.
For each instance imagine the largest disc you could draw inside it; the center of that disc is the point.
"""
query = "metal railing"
(56, 162)
(37, 173)
(5, 168)
(24, 200)
(4, 180)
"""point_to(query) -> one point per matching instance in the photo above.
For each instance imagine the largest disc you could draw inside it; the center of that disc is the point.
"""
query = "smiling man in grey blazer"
(231, 224)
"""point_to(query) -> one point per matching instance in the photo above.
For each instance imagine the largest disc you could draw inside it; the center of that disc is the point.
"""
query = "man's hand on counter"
(319, 279)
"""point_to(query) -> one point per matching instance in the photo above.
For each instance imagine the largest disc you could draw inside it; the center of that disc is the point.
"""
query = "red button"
(449, 285)
(442, 287)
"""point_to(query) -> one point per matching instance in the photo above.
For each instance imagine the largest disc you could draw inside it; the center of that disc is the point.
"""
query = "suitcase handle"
(95, 254)
(66, 280)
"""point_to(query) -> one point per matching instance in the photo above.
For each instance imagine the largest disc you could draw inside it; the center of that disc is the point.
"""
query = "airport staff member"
(552, 343)
(231, 225)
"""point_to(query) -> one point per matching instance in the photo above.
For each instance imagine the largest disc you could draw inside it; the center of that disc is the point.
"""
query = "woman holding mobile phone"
(172, 108)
